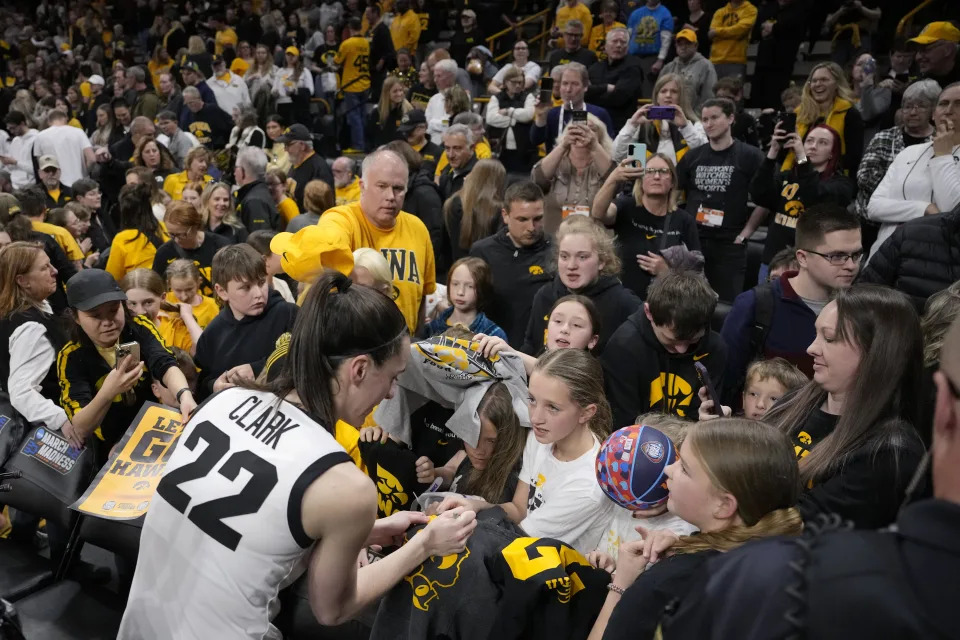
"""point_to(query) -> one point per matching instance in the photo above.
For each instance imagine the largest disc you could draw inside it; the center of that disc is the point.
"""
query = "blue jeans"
(353, 106)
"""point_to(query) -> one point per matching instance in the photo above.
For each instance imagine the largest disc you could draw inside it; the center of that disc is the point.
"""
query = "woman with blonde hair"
(220, 214)
(159, 64)
(197, 52)
(712, 486)
(370, 269)
(586, 263)
(647, 221)
(317, 198)
(573, 172)
(473, 213)
(672, 137)
(195, 166)
(387, 116)
(262, 72)
(827, 99)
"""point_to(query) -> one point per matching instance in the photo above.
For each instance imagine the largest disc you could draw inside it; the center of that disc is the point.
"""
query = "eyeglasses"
(838, 259)
(573, 35)
(181, 235)
(656, 171)
(915, 107)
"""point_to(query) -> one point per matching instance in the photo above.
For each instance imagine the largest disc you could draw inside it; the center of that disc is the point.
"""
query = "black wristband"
(181, 392)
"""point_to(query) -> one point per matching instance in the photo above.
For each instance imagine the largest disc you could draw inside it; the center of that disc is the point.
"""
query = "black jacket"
(201, 256)
(642, 376)
(66, 195)
(255, 206)
(627, 76)
(921, 258)
(423, 200)
(228, 342)
(789, 193)
(518, 274)
(894, 584)
(614, 303)
(232, 234)
(379, 134)
(451, 182)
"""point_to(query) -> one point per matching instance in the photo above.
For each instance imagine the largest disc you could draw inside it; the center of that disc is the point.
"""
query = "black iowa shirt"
(202, 256)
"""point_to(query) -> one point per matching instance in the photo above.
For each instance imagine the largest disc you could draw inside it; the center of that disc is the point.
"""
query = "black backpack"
(762, 318)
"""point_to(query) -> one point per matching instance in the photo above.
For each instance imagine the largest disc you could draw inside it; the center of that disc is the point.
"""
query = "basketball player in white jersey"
(257, 478)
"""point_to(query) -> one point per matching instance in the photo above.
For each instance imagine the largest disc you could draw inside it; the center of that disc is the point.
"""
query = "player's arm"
(339, 511)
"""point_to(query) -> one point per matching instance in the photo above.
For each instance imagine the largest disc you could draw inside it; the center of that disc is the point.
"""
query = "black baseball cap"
(190, 65)
(295, 133)
(217, 59)
(411, 120)
(92, 287)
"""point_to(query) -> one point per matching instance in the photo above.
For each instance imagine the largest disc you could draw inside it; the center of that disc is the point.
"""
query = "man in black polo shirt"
(306, 164)
(517, 255)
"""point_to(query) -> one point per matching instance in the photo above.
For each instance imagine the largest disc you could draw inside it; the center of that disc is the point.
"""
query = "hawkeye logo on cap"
(405, 119)
(287, 130)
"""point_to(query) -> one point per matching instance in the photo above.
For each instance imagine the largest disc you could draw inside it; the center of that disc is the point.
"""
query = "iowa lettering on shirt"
(403, 265)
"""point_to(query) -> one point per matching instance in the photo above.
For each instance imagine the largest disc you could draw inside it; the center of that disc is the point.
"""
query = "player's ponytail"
(735, 452)
(337, 322)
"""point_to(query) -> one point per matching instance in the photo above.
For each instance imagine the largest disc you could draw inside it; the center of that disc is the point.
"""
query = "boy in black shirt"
(236, 344)
(648, 363)
(716, 178)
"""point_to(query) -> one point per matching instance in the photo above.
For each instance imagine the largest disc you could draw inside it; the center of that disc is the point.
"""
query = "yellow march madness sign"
(125, 485)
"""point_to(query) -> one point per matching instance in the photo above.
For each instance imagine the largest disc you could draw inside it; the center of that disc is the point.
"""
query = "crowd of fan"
(190, 156)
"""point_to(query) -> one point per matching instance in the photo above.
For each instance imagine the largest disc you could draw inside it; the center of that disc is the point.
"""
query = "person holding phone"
(103, 387)
(647, 221)
(549, 121)
(828, 99)
(668, 125)
(816, 178)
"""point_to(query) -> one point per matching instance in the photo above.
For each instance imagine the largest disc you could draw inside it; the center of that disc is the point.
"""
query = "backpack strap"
(762, 318)
(666, 231)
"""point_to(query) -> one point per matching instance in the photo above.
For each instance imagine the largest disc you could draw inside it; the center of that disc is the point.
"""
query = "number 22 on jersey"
(209, 515)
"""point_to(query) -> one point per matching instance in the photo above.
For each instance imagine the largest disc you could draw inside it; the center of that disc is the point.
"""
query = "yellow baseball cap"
(935, 32)
(687, 34)
(305, 255)
(292, 51)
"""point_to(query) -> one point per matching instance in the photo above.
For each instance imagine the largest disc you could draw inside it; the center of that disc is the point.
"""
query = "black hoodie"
(423, 200)
(518, 274)
(614, 303)
(642, 376)
(227, 342)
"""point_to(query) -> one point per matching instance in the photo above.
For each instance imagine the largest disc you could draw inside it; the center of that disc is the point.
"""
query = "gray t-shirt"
(302, 220)
(815, 305)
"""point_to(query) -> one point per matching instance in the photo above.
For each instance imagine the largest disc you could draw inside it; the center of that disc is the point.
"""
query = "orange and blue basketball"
(631, 464)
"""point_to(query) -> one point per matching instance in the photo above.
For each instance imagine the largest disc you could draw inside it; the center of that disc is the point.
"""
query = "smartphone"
(128, 348)
(704, 376)
(638, 152)
(788, 122)
(578, 117)
(660, 113)
(546, 90)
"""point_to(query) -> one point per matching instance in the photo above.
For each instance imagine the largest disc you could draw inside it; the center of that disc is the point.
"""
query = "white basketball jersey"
(224, 531)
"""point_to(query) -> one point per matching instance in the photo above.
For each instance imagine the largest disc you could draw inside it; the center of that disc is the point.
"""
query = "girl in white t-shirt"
(558, 495)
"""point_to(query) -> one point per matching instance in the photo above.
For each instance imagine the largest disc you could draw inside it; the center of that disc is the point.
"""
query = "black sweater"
(202, 257)
(789, 193)
(638, 614)
(641, 375)
(228, 342)
(518, 274)
(869, 485)
(614, 303)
